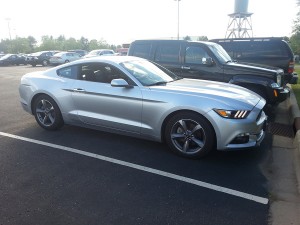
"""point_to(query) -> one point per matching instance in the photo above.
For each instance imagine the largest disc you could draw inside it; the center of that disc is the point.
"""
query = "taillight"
(291, 67)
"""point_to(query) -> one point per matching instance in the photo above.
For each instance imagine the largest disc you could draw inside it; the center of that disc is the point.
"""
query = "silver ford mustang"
(132, 96)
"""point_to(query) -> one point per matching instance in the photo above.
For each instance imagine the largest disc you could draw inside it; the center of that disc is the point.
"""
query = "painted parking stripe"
(144, 168)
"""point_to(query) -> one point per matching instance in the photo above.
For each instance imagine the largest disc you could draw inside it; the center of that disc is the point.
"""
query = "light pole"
(8, 20)
(177, 19)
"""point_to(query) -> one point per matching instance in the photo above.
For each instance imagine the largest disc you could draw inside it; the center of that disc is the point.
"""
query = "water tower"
(240, 24)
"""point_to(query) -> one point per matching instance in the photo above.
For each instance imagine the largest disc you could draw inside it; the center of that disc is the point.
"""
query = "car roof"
(248, 39)
(104, 59)
(173, 41)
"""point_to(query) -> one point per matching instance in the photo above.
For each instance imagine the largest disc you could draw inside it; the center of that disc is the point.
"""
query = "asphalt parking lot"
(82, 176)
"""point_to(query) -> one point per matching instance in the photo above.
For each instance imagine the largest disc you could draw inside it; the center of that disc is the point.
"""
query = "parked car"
(270, 51)
(122, 51)
(99, 52)
(40, 58)
(63, 57)
(79, 51)
(132, 96)
(209, 61)
(12, 59)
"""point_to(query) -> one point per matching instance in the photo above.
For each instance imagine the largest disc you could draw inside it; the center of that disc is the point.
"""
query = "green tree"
(93, 44)
(48, 43)
(187, 38)
(32, 43)
(20, 45)
(202, 38)
(84, 43)
(4, 46)
(71, 44)
(295, 38)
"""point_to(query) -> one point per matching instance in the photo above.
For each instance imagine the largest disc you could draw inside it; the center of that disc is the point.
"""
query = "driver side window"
(101, 73)
(195, 55)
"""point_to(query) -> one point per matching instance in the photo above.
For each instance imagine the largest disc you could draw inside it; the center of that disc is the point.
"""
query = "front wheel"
(47, 113)
(190, 135)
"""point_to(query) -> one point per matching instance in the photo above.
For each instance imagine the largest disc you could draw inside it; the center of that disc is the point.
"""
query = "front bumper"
(280, 94)
(234, 134)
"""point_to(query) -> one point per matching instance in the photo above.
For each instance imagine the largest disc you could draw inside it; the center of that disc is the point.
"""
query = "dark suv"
(39, 58)
(209, 61)
(266, 50)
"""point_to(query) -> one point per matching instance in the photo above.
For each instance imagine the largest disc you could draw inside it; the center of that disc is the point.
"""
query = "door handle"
(78, 90)
(185, 67)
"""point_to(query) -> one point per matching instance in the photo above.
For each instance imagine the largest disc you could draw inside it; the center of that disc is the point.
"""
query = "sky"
(119, 22)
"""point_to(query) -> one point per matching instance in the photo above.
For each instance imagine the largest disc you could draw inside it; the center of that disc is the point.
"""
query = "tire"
(45, 62)
(47, 113)
(190, 135)
(33, 65)
(67, 61)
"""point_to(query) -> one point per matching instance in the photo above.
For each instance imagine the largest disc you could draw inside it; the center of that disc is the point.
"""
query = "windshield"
(5, 56)
(221, 54)
(94, 52)
(147, 73)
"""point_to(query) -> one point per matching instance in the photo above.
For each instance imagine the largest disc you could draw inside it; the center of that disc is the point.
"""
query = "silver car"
(64, 57)
(132, 96)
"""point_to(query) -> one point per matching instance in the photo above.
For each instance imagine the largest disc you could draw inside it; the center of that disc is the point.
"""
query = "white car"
(64, 57)
(132, 96)
(100, 52)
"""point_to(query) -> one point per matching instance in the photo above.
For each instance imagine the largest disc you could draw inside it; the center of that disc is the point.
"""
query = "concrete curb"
(295, 119)
(285, 167)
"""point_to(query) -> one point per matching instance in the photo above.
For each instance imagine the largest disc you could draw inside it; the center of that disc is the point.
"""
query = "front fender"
(242, 80)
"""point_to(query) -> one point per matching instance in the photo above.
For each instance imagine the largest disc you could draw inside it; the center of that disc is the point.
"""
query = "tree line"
(30, 44)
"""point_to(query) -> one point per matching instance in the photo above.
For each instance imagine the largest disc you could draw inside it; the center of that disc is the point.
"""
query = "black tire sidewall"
(58, 123)
(45, 62)
(208, 130)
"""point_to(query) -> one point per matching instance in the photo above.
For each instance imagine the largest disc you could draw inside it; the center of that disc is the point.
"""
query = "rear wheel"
(45, 63)
(47, 113)
(190, 135)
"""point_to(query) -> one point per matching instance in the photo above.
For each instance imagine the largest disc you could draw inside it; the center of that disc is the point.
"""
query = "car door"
(98, 103)
(167, 54)
(72, 56)
(195, 63)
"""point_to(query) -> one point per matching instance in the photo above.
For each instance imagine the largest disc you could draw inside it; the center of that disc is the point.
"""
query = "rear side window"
(253, 49)
(167, 53)
(142, 50)
(69, 72)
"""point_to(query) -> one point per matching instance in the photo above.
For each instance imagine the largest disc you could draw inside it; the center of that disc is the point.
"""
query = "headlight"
(279, 79)
(232, 114)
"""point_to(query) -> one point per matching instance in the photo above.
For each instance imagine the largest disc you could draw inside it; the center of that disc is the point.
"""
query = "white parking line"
(146, 169)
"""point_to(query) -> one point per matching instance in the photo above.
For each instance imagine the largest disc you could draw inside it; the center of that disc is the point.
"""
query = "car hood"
(251, 67)
(223, 93)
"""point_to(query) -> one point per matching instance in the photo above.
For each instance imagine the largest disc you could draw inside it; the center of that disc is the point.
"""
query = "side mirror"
(120, 83)
(207, 61)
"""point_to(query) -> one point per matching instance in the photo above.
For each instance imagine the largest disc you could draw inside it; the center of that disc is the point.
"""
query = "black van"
(209, 61)
(273, 51)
